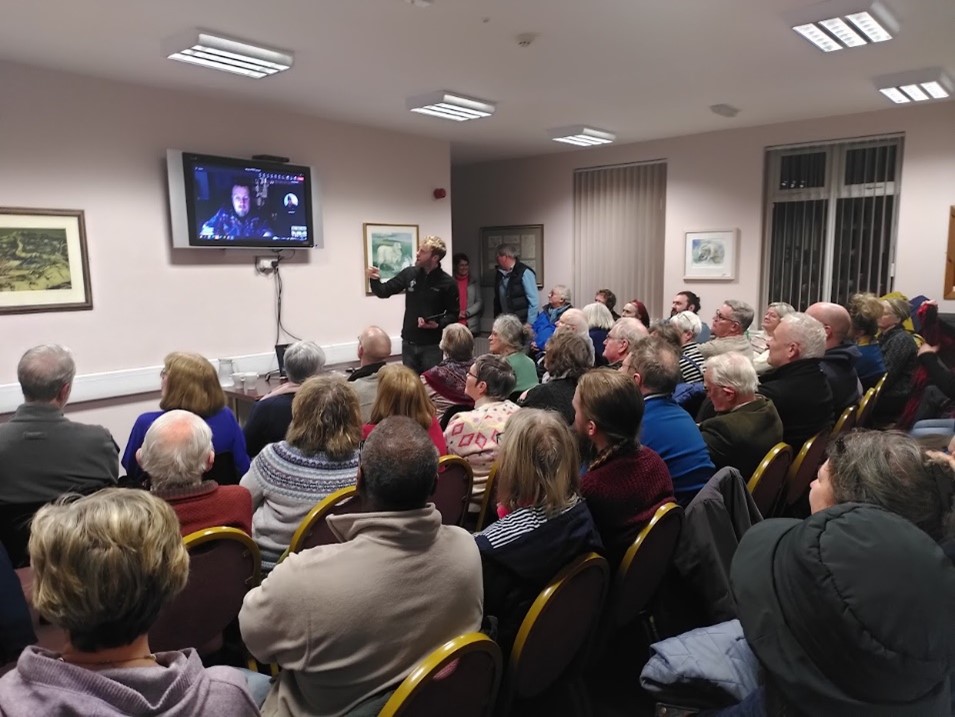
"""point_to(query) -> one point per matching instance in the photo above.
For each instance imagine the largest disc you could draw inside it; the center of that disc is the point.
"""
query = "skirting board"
(132, 381)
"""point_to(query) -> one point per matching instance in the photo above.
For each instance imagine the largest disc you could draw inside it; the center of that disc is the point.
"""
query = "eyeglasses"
(719, 317)
(473, 375)
(163, 373)
(610, 337)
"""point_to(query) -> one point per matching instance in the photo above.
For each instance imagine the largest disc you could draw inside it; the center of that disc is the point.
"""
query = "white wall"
(79, 143)
(715, 181)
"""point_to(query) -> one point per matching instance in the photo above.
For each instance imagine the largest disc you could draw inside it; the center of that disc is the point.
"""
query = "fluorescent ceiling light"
(916, 86)
(581, 136)
(837, 24)
(222, 53)
(449, 105)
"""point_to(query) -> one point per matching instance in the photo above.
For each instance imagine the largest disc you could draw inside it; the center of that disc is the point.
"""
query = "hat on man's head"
(851, 611)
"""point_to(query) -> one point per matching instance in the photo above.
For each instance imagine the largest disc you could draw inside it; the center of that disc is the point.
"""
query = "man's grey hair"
(399, 464)
(303, 359)
(510, 330)
(733, 370)
(807, 332)
(630, 330)
(563, 292)
(508, 250)
(577, 319)
(44, 370)
(742, 313)
(658, 364)
(687, 321)
(175, 451)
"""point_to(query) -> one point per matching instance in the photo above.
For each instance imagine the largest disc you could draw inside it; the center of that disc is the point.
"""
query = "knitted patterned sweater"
(474, 435)
(285, 484)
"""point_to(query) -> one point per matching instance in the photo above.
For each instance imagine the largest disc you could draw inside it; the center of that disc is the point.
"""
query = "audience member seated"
(865, 311)
(271, 415)
(16, 623)
(796, 385)
(558, 301)
(444, 383)
(318, 457)
(104, 566)
(668, 429)
(574, 320)
(899, 353)
(839, 361)
(621, 338)
(176, 451)
(635, 309)
(544, 523)
(624, 482)
(566, 361)
(599, 322)
(746, 424)
(507, 340)
(688, 301)
(190, 383)
(760, 339)
(401, 393)
(374, 348)
(691, 360)
(608, 299)
(43, 454)
(475, 435)
(348, 622)
(730, 323)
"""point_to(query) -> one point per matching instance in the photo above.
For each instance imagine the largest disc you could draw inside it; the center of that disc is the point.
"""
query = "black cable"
(279, 328)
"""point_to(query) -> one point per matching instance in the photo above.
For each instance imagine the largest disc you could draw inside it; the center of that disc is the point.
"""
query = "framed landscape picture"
(711, 255)
(43, 262)
(389, 248)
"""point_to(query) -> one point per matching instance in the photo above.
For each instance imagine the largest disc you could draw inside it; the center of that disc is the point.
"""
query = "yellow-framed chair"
(866, 404)
(846, 422)
(488, 512)
(767, 481)
(313, 530)
(460, 678)
(224, 564)
(552, 641)
(803, 469)
(452, 491)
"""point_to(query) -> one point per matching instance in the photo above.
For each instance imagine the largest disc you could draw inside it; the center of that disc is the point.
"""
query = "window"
(831, 220)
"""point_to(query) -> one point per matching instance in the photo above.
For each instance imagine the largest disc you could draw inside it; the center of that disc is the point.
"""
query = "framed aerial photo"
(389, 248)
(43, 261)
(711, 256)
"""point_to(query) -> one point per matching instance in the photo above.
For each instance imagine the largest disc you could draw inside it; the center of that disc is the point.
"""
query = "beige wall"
(715, 181)
(79, 143)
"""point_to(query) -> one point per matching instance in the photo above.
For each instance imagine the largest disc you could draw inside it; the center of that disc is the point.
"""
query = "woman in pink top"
(401, 393)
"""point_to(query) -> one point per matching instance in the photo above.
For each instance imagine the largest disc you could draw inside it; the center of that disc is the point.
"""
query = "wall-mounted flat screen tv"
(227, 202)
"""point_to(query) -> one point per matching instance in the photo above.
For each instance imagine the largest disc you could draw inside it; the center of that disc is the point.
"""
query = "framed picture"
(528, 238)
(43, 262)
(389, 248)
(711, 256)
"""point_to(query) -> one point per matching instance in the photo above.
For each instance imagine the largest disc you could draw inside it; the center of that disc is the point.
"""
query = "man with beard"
(688, 301)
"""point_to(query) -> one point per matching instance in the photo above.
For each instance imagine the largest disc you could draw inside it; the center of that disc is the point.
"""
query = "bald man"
(374, 348)
(841, 355)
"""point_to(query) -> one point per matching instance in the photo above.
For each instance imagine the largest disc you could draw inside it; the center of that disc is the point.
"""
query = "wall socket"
(265, 264)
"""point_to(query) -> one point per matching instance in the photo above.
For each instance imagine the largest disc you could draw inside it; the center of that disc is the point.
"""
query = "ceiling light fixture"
(222, 53)
(581, 136)
(450, 105)
(916, 86)
(844, 23)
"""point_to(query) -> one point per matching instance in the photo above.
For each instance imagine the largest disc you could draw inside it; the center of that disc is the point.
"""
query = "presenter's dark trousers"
(420, 357)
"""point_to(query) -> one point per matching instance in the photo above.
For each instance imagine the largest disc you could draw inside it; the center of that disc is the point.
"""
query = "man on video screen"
(238, 219)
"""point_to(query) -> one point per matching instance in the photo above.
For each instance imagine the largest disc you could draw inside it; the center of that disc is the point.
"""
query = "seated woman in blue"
(190, 383)
(544, 523)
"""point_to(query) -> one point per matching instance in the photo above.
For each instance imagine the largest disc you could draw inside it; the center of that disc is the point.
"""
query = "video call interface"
(242, 203)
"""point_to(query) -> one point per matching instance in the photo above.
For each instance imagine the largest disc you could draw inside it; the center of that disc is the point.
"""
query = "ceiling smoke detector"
(724, 110)
(525, 39)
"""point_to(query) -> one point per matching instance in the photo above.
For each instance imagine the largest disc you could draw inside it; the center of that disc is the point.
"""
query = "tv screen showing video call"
(247, 203)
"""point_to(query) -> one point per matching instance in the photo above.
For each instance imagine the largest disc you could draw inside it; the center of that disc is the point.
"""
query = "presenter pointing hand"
(372, 273)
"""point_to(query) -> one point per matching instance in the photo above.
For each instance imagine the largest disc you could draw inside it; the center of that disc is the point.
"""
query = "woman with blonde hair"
(865, 310)
(545, 523)
(318, 457)
(190, 383)
(444, 383)
(401, 393)
(774, 314)
(104, 566)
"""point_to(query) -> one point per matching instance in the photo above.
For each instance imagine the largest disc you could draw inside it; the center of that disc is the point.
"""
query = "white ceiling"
(644, 69)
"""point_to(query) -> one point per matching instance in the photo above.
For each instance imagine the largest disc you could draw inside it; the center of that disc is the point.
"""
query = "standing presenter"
(431, 303)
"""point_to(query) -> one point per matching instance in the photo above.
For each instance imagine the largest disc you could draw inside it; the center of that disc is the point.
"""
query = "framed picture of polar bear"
(711, 255)
(389, 248)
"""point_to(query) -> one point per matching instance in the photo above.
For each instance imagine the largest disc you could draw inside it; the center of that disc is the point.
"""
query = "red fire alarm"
(440, 193)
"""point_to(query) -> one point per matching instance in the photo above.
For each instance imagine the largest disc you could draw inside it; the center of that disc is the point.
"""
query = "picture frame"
(528, 237)
(43, 261)
(711, 255)
(389, 248)
(948, 291)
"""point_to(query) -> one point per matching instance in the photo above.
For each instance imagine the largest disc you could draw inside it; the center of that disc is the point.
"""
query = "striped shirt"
(691, 363)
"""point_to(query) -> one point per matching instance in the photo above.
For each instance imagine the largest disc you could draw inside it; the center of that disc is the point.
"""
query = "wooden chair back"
(460, 678)
(452, 491)
(768, 479)
(313, 530)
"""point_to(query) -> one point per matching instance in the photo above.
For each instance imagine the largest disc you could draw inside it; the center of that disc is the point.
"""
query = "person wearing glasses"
(621, 338)
(730, 323)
